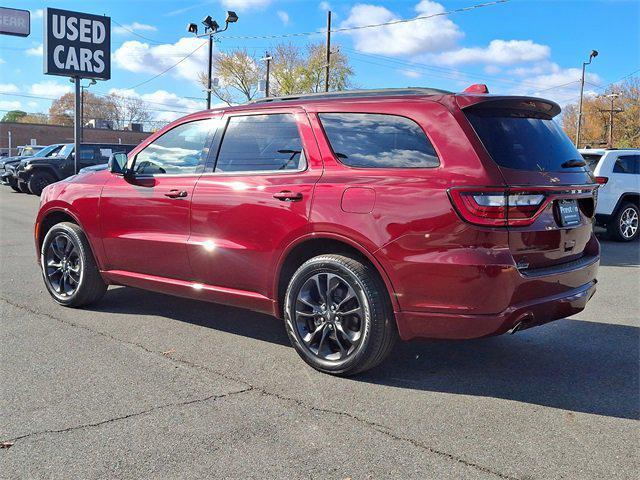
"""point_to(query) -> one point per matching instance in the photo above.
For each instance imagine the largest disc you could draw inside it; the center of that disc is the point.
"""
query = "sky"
(533, 47)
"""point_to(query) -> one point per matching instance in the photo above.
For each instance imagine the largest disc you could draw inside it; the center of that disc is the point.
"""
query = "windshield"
(29, 151)
(64, 151)
(525, 143)
(47, 151)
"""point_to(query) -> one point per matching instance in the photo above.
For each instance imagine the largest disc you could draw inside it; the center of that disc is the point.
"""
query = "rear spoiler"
(528, 106)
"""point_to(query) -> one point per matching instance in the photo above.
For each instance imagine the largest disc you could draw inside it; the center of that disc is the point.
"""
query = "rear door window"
(261, 143)
(525, 143)
(627, 164)
(369, 140)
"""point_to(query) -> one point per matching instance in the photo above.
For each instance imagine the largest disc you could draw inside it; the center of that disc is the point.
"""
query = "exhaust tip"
(524, 322)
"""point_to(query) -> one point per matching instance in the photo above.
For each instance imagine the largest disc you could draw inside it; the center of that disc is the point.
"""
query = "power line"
(136, 33)
(167, 69)
(375, 25)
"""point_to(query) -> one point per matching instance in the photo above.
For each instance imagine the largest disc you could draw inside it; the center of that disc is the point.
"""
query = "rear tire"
(38, 181)
(624, 225)
(68, 268)
(338, 315)
(13, 183)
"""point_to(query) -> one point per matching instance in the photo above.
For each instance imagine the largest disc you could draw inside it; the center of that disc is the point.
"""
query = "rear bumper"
(602, 219)
(461, 327)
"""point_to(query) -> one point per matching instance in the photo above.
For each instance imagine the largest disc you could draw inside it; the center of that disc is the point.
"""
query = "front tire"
(624, 225)
(69, 270)
(38, 181)
(338, 315)
(22, 186)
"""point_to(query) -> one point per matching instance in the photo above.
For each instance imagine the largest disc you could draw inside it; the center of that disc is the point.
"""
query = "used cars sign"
(77, 44)
(15, 22)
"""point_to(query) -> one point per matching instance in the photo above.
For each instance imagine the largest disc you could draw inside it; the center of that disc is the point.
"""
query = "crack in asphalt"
(248, 387)
(213, 397)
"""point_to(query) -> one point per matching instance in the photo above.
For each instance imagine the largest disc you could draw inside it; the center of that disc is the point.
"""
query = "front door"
(256, 201)
(145, 217)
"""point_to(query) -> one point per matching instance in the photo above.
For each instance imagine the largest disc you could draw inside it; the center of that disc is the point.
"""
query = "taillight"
(497, 207)
(602, 180)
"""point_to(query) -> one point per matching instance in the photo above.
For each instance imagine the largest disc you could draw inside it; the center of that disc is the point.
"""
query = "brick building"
(22, 133)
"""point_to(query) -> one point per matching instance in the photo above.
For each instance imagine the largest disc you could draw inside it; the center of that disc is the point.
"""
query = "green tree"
(14, 116)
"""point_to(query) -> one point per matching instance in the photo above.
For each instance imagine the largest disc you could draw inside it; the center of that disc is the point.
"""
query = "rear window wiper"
(573, 163)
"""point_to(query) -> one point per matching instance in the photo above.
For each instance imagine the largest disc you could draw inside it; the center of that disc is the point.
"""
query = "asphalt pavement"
(143, 385)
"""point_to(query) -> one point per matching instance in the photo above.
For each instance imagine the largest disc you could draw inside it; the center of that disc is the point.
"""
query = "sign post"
(77, 45)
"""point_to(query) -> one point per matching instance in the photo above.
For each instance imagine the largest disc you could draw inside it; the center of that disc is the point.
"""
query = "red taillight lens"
(497, 207)
(602, 180)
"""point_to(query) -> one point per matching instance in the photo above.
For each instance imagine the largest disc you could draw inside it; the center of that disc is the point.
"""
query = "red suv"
(357, 217)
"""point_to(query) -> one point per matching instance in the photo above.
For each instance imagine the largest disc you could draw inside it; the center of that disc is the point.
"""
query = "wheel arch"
(631, 197)
(316, 244)
(45, 169)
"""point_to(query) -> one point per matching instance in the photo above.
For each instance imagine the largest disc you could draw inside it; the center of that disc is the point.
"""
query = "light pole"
(211, 27)
(594, 54)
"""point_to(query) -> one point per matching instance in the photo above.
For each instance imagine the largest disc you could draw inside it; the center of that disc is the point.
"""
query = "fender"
(332, 236)
(47, 169)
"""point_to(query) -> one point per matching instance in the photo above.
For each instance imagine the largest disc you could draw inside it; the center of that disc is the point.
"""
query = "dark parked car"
(35, 173)
(357, 217)
(7, 165)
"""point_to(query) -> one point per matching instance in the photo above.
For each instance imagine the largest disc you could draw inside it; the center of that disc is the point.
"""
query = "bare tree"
(130, 110)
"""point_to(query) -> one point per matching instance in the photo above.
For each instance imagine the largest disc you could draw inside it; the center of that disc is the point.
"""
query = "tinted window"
(261, 143)
(592, 160)
(627, 164)
(374, 140)
(178, 151)
(524, 143)
(87, 154)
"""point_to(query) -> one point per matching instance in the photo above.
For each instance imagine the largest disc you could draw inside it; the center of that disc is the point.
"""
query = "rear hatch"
(550, 190)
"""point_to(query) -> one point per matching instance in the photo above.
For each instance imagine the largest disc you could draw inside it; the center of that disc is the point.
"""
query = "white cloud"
(139, 57)
(38, 13)
(8, 88)
(36, 51)
(492, 69)
(324, 6)
(244, 5)
(49, 88)
(133, 27)
(2, 61)
(31, 104)
(284, 17)
(10, 105)
(410, 73)
(165, 106)
(432, 35)
(498, 52)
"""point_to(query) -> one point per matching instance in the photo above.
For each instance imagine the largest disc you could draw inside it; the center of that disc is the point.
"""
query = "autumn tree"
(62, 110)
(595, 117)
(14, 116)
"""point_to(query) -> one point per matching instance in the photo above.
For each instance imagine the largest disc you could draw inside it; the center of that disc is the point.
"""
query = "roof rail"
(353, 94)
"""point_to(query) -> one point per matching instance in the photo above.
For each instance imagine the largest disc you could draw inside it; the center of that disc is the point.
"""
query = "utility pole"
(209, 72)
(267, 58)
(77, 125)
(326, 77)
(594, 54)
(611, 111)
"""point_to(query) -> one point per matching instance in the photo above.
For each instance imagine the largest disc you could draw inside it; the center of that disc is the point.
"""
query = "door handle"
(176, 194)
(288, 196)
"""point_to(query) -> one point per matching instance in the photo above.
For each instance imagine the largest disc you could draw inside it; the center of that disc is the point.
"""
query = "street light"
(594, 54)
(211, 27)
(82, 88)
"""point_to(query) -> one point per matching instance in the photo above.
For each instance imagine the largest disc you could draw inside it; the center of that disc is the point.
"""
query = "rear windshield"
(525, 143)
(592, 160)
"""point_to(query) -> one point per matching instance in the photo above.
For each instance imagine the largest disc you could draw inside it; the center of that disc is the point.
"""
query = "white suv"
(618, 173)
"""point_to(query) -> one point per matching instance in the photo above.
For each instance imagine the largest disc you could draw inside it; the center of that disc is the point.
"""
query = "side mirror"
(118, 163)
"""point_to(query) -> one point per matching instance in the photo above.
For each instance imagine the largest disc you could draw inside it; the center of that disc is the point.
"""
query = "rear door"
(540, 164)
(255, 200)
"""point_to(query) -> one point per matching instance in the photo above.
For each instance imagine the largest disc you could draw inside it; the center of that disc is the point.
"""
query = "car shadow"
(570, 364)
(618, 254)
